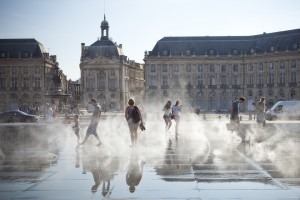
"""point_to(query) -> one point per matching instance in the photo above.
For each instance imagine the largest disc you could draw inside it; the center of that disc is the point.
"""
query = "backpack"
(135, 115)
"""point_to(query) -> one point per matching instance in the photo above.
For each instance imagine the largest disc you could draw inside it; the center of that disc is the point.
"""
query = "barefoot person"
(167, 115)
(92, 129)
(76, 127)
(131, 113)
(234, 113)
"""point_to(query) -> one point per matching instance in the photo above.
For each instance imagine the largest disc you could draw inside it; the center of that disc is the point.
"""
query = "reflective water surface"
(203, 162)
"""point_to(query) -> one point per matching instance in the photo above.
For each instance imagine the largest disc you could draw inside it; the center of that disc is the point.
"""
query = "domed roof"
(104, 23)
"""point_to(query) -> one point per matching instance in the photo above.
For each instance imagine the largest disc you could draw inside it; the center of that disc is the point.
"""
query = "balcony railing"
(164, 87)
(152, 87)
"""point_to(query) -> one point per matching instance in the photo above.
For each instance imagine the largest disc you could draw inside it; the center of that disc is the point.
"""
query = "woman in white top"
(167, 115)
(176, 109)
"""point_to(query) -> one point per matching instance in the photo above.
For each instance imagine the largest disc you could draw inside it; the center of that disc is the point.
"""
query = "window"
(200, 80)
(112, 84)
(260, 66)
(200, 68)
(212, 68)
(37, 70)
(37, 82)
(260, 79)
(25, 70)
(90, 83)
(152, 68)
(271, 78)
(282, 78)
(112, 72)
(188, 68)
(281, 64)
(212, 80)
(260, 93)
(90, 72)
(250, 93)
(14, 82)
(165, 81)
(176, 68)
(176, 80)
(164, 68)
(250, 79)
(271, 67)
(152, 81)
(101, 81)
(14, 70)
(250, 68)
(223, 68)
(223, 80)
(235, 68)
(293, 63)
(293, 77)
(188, 80)
(25, 82)
(235, 80)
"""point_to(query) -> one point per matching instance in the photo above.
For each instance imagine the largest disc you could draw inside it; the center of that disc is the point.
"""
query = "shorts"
(92, 130)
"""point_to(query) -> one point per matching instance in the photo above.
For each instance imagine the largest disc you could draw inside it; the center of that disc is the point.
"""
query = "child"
(76, 127)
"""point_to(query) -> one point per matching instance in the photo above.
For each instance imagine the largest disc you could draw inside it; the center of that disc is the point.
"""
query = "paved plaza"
(204, 162)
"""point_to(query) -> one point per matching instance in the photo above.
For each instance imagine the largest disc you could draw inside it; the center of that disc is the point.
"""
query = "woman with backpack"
(133, 117)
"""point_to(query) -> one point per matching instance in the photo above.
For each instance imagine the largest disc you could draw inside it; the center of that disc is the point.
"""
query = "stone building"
(107, 74)
(26, 70)
(211, 71)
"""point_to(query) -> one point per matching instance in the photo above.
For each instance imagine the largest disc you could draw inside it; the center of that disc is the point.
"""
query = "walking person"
(176, 110)
(76, 127)
(92, 129)
(49, 113)
(167, 115)
(133, 117)
(260, 110)
(234, 113)
(260, 115)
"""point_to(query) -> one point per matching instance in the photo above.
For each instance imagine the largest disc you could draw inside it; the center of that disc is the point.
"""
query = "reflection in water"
(26, 148)
(135, 171)
(99, 161)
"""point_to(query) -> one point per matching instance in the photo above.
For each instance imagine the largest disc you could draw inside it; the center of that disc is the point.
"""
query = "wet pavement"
(204, 162)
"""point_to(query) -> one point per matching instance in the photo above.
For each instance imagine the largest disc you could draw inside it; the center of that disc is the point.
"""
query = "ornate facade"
(26, 70)
(209, 72)
(107, 75)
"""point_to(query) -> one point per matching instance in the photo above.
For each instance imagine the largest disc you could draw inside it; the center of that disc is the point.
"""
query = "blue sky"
(62, 25)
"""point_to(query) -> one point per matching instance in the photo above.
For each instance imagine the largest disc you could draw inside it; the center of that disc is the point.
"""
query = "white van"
(284, 110)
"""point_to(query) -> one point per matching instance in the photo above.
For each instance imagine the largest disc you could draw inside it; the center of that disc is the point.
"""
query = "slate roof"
(13, 48)
(105, 48)
(223, 45)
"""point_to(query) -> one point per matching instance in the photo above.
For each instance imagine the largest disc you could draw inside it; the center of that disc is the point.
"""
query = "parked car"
(17, 116)
(284, 110)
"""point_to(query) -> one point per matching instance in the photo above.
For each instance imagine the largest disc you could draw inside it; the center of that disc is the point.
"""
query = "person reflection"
(100, 165)
(134, 172)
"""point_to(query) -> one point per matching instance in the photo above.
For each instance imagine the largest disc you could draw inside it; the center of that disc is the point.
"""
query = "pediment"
(101, 61)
